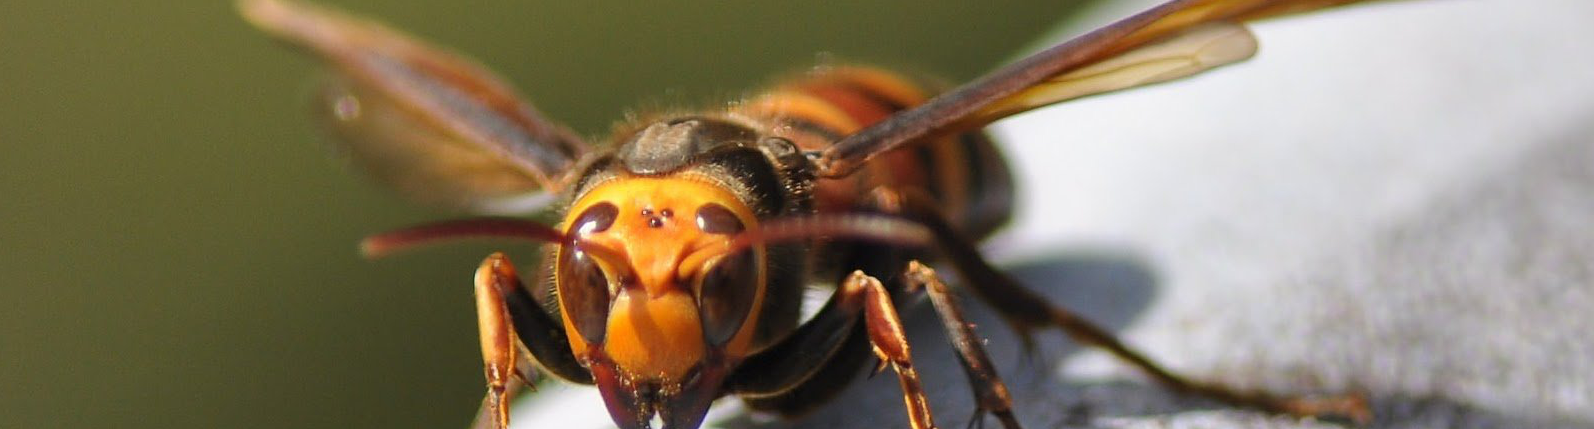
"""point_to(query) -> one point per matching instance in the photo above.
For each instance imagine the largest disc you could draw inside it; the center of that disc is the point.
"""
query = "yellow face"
(655, 289)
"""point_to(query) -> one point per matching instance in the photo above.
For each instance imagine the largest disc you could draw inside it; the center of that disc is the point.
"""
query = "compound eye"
(598, 218)
(582, 283)
(716, 219)
(584, 293)
(725, 295)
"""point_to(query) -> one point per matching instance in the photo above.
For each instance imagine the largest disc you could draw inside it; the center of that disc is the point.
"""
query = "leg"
(487, 417)
(1026, 312)
(832, 375)
(989, 392)
(813, 363)
(508, 318)
(891, 345)
(499, 351)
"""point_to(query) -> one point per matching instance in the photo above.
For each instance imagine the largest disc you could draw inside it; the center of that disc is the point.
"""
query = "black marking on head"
(750, 174)
(768, 173)
(670, 145)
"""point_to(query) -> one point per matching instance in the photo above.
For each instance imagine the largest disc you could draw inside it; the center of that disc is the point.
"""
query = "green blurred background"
(177, 244)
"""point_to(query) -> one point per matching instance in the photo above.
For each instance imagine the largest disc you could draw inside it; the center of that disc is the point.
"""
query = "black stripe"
(873, 95)
(811, 127)
(931, 167)
(990, 185)
(974, 160)
(749, 167)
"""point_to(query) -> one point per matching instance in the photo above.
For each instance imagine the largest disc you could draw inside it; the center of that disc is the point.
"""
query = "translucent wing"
(435, 126)
(1197, 50)
(1175, 39)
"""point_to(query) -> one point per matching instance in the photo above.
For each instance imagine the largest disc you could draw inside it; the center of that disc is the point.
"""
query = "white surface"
(1388, 197)
(1348, 127)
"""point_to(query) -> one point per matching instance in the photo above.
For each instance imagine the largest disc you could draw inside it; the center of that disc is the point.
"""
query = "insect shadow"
(1113, 288)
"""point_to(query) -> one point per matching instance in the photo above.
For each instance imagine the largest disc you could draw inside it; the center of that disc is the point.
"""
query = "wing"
(1172, 40)
(1192, 52)
(435, 126)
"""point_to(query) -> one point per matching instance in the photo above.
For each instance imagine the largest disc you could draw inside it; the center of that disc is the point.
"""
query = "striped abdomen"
(964, 173)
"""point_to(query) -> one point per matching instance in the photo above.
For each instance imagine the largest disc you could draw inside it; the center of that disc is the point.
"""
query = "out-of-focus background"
(1390, 198)
(177, 244)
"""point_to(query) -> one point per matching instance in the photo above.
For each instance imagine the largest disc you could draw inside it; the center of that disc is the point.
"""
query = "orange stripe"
(791, 103)
(862, 108)
(844, 99)
(886, 84)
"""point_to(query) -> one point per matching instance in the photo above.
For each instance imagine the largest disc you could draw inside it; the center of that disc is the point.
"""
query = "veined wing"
(435, 126)
(1175, 39)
